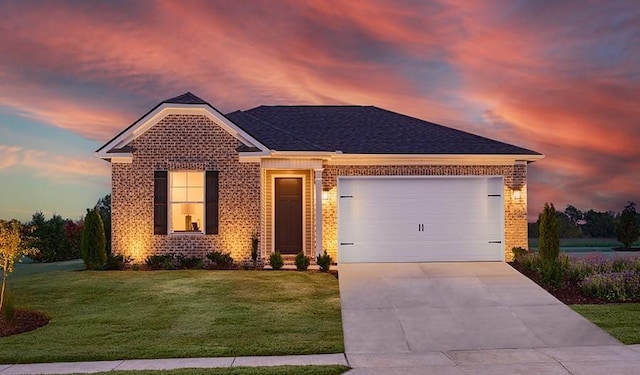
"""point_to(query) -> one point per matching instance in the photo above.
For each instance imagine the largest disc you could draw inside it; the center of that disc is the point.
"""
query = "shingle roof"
(186, 98)
(360, 130)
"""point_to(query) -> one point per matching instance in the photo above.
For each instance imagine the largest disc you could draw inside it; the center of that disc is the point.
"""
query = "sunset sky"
(558, 77)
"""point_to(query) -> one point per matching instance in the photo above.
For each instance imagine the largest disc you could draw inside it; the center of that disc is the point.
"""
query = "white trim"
(281, 163)
(121, 159)
(165, 109)
(434, 159)
(317, 175)
(303, 176)
(339, 158)
(170, 203)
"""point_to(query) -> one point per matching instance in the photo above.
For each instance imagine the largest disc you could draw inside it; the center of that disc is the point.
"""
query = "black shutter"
(160, 202)
(211, 202)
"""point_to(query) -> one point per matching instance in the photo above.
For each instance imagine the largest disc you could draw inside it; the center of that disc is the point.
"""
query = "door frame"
(302, 176)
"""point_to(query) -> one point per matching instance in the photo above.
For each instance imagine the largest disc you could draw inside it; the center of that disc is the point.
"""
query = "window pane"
(195, 194)
(187, 217)
(178, 178)
(178, 194)
(195, 179)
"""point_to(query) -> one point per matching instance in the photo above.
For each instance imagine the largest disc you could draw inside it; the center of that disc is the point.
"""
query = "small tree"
(12, 247)
(549, 245)
(628, 228)
(93, 243)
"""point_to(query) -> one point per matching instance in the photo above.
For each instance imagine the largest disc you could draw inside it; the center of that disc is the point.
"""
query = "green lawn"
(280, 370)
(170, 314)
(585, 242)
(620, 320)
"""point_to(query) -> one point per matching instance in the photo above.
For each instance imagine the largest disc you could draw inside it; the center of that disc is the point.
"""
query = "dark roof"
(186, 98)
(360, 130)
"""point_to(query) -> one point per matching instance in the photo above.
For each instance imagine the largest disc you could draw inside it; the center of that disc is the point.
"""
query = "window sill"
(187, 233)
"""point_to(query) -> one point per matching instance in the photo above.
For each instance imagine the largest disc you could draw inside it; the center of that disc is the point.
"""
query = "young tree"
(549, 245)
(12, 247)
(104, 207)
(628, 228)
(93, 243)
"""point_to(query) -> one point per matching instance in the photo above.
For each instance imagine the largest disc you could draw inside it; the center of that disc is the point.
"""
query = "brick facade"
(194, 142)
(184, 142)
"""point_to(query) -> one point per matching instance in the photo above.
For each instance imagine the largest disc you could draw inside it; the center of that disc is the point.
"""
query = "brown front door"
(288, 215)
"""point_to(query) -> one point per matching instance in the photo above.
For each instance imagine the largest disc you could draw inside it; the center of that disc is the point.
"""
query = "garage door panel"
(420, 219)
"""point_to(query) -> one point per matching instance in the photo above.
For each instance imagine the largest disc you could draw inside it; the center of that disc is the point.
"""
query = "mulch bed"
(569, 294)
(24, 321)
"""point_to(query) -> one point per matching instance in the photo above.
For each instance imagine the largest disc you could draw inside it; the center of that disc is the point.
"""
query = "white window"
(186, 201)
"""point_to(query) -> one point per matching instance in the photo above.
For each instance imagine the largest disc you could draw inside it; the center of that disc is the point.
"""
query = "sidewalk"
(170, 364)
(581, 360)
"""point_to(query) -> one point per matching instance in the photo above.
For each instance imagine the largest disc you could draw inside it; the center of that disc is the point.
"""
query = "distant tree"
(73, 237)
(104, 207)
(574, 214)
(628, 228)
(534, 229)
(549, 245)
(566, 227)
(599, 224)
(93, 243)
(13, 245)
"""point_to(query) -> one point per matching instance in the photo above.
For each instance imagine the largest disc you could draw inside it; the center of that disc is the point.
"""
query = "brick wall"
(515, 177)
(168, 146)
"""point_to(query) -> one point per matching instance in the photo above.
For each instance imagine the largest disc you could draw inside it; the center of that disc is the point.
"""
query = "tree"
(13, 246)
(628, 228)
(93, 243)
(104, 207)
(549, 245)
(599, 224)
(574, 214)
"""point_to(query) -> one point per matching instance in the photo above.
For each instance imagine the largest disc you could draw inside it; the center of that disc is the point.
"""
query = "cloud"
(56, 168)
(561, 78)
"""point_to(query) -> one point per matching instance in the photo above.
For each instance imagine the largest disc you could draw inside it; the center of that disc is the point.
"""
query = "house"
(363, 183)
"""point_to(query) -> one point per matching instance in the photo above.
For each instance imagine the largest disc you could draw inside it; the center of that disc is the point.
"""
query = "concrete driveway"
(438, 307)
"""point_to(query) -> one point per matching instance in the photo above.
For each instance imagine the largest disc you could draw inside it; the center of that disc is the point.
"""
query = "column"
(318, 188)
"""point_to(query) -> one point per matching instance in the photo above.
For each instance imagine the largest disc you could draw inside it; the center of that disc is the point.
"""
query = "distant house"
(363, 183)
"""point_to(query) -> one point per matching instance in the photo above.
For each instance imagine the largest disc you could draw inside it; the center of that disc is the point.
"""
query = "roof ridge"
(282, 130)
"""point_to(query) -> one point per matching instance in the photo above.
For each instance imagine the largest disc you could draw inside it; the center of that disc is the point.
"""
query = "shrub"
(116, 262)
(613, 286)
(553, 272)
(254, 248)
(628, 228)
(302, 261)
(160, 262)
(189, 263)
(549, 243)
(275, 260)
(93, 244)
(519, 253)
(324, 262)
(220, 260)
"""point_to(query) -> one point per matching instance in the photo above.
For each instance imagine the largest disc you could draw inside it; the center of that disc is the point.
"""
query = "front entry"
(288, 215)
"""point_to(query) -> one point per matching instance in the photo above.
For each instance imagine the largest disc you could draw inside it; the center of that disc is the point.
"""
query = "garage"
(420, 218)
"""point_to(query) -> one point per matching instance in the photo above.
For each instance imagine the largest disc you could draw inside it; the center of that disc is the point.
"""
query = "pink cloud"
(56, 168)
(560, 78)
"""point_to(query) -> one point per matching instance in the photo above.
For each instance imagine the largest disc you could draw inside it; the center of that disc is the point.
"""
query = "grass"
(620, 320)
(28, 268)
(171, 314)
(585, 242)
(279, 370)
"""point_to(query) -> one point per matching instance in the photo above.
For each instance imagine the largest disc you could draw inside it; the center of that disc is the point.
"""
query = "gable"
(119, 150)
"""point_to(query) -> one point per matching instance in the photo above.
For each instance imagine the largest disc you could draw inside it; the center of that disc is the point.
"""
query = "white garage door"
(420, 219)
